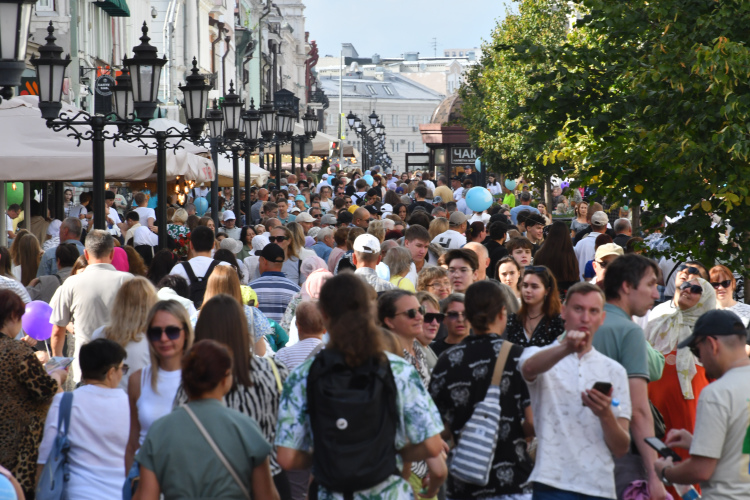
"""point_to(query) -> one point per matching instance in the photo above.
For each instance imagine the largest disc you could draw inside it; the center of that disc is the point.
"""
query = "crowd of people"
(341, 339)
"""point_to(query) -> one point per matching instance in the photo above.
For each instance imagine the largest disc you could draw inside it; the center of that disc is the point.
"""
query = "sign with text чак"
(463, 156)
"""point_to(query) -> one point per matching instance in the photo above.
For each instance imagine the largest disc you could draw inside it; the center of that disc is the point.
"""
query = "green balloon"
(14, 196)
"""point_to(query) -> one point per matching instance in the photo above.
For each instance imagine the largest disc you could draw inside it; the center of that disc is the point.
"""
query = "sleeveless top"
(154, 405)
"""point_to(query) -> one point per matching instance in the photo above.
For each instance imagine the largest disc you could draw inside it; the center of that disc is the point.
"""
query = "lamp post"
(135, 100)
(310, 122)
(373, 139)
(15, 17)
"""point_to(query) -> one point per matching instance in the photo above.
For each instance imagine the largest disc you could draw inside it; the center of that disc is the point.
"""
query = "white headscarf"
(665, 332)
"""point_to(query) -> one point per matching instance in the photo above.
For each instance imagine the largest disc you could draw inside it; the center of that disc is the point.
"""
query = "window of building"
(454, 54)
(45, 6)
(394, 120)
(387, 90)
(461, 54)
(372, 89)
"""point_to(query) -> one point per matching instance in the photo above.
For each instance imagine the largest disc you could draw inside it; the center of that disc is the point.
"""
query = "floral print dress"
(418, 420)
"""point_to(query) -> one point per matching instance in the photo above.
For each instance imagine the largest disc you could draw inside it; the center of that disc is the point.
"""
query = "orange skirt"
(666, 394)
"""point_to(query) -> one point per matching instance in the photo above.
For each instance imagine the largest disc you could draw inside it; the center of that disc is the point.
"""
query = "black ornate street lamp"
(15, 17)
(310, 124)
(373, 139)
(135, 100)
(145, 69)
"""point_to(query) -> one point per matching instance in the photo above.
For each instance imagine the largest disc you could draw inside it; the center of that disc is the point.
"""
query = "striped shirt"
(15, 286)
(274, 291)
(295, 355)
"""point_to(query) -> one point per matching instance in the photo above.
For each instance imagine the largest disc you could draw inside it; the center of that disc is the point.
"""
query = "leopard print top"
(26, 392)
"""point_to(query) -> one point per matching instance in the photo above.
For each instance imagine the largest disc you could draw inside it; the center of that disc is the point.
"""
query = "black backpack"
(198, 285)
(353, 417)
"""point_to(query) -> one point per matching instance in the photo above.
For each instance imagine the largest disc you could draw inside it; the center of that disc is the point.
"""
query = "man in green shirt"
(630, 289)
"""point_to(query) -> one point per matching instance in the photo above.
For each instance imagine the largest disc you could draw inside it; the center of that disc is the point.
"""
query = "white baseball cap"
(228, 215)
(367, 243)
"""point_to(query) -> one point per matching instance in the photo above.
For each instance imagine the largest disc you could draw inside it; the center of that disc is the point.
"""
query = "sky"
(392, 27)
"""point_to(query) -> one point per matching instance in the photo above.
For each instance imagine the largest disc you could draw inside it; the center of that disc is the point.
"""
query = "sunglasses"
(687, 287)
(723, 284)
(430, 317)
(455, 314)
(318, 216)
(276, 239)
(154, 333)
(125, 368)
(412, 313)
(603, 263)
(690, 269)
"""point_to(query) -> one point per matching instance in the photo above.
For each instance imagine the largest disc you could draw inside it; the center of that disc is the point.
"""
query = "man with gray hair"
(88, 297)
(324, 243)
(439, 212)
(70, 232)
(624, 231)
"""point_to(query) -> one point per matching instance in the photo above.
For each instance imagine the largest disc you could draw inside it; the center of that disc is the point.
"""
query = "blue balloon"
(201, 205)
(478, 164)
(369, 180)
(478, 199)
(510, 184)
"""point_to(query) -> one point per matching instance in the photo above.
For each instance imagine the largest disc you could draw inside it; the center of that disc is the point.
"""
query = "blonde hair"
(296, 236)
(129, 316)
(180, 216)
(178, 311)
(223, 279)
(438, 225)
(377, 229)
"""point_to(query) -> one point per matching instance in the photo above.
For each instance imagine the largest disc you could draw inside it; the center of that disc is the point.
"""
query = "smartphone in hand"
(57, 363)
(662, 449)
(603, 387)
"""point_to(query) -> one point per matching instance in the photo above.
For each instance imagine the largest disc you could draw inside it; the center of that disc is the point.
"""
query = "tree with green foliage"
(650, 101)
(499, 84)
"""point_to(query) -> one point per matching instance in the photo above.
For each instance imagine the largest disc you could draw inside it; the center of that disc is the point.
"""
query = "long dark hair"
(222, 319)
(161, 265)
(552, 305)
(346, 304)
(557, 254)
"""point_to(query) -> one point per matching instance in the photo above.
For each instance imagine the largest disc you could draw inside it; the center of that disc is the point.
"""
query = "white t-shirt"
(114, 215)
(458, 194)
(721, 424)
(8, 223)
(137, 355)
(450, 240)
(572, 454)
(462, 207)
(144, 213)
(98, 433)
(145, 236)
(200, 266)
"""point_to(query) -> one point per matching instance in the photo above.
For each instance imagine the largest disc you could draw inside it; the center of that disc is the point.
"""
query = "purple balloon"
(35, 320)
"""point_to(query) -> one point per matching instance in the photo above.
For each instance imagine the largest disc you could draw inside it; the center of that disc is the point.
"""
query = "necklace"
(529, 317)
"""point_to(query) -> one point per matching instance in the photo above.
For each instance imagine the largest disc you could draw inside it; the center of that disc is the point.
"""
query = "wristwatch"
(664, 477)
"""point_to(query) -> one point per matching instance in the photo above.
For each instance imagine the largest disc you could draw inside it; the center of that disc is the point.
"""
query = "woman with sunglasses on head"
(128, 322)
(255, 388)
(152, 389)
(676, 393)
(191, 468)
(461, 380)
(98, 426)
(456, 326)
(538, 321)
(433, 318)
(724, 284)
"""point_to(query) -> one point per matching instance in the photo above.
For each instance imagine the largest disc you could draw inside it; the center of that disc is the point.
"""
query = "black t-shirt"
(440, 345)
(459, 382)
(423, 204)
(496, 252)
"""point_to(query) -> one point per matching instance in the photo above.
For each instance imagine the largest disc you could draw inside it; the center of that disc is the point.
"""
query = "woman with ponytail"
(356, 348)
(460, 381)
